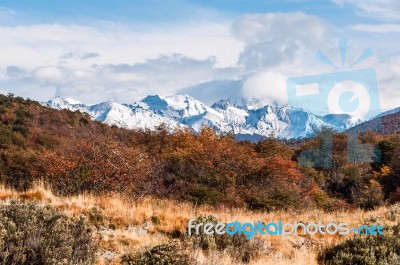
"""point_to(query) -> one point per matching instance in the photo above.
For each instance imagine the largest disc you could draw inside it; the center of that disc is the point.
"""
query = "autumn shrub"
(191, 162)
(46, 140)
(386, 147)
(390, 178)
(278, 184)
(394, 197)
(365, 250)
(368, 195)
(33, 234)
(272, 147)
(329, 204)
(17, 168)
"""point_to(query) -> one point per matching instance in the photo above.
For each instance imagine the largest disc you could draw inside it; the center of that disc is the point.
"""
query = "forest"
(73, 154)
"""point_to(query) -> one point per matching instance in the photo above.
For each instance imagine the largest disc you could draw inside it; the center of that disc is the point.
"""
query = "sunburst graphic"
(352, 94)
(343, 52)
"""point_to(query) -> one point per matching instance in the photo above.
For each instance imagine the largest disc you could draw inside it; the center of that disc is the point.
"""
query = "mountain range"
(246, 122)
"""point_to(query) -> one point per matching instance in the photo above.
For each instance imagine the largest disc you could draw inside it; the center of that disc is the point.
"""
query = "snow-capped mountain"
(183, 111)
(342, 121)
(392, 111)
(113, 113)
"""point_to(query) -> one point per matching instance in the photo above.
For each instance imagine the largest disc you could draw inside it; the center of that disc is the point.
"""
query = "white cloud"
(79, 55)
(276, 39)
(268, 85)
(50, 75)
(279, 26)
(115, 59)
(46, 43)
(122, 82)
(380, 9)
(388, 73)
(377, 28)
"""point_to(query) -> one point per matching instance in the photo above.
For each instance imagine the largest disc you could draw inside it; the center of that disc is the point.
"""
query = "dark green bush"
(276, 199)
(5, 135)
(96, 217)
(365, 250)
(200, 194)
(23, 130)
(33, 234)
(155, 220)
(22, 114)
(202, 240)
(165, 254)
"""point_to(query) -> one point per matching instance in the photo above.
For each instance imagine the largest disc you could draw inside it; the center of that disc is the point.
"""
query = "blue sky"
(124, 50)
(170, 11)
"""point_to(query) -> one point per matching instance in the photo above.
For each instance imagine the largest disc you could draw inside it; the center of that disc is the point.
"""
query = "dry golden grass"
(127, 226)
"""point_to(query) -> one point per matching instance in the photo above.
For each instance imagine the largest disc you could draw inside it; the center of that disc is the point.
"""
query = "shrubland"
(137, 189)
(43, 228)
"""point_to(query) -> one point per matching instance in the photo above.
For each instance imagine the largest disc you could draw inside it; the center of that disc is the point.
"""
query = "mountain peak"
(181, 100)
(72, 101)
(182, 96)
(223, 104)
(155, 102)
(61, 100)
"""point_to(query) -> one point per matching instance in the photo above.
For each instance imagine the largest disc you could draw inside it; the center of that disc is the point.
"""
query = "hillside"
(121, 196)
(72, 153)
(385, 124)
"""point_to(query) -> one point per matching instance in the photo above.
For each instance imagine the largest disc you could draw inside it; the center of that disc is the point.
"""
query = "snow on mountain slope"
(232, 114)
(284, 122)
(177, 106)
(113, 113)
(60, 103)
(72, 101)
(183, 111)
(186, 110)
(341, 121)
